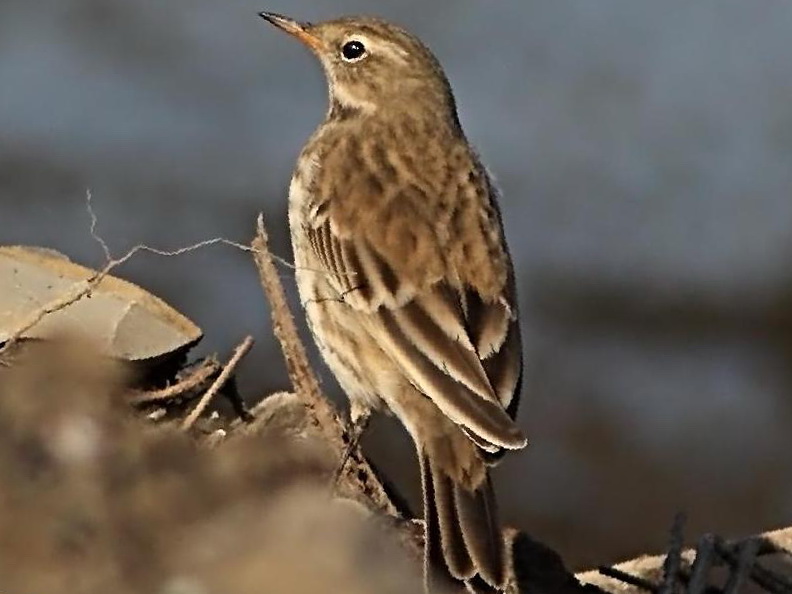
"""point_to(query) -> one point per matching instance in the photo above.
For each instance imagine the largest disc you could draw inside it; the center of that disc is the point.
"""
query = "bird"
(406, 280)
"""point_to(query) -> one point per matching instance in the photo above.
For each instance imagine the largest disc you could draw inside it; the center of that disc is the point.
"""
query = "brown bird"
(405, 277)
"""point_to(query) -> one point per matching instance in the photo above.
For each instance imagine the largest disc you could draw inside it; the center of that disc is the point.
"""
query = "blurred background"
(645, 154)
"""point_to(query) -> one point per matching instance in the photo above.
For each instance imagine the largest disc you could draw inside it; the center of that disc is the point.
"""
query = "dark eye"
(353, 50)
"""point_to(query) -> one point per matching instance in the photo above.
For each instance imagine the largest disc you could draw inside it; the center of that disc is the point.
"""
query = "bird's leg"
(359, 416)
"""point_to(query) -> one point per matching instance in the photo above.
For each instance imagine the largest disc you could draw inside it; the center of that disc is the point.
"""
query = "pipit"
(405, 277)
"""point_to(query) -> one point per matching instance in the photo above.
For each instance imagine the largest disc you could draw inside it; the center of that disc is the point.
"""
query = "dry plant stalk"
(300, 372)
(359, 479)
(229, 368)
(193, 381)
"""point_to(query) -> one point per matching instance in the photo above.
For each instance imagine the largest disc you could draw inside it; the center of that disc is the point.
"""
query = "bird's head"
(372, 65)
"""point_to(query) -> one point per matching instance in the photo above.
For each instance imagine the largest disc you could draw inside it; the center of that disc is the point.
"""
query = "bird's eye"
(353, 50)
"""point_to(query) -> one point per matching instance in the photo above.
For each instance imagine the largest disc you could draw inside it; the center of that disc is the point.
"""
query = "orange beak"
(295, 28)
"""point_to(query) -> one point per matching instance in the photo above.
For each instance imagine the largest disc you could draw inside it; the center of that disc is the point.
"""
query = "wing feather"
(484, 418)
(458, 348)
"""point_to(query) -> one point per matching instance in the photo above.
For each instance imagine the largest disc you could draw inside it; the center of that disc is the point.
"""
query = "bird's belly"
(362, 369)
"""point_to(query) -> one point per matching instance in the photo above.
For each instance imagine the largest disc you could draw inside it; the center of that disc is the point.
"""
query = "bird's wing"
(458, 346)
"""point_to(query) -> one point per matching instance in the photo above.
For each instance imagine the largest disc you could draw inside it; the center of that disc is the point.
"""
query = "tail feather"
(437, 575)
(478, 518)
(463, 536)
(456, 554)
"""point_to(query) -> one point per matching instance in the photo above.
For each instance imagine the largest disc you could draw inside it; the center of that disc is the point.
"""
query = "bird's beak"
(295, 28)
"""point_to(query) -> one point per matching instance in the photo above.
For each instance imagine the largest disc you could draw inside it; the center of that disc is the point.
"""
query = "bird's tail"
(463, 535)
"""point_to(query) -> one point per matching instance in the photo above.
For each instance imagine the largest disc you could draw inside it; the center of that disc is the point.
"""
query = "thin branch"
(192, 382)
(229, 368)
(360, 479)
(298, 367)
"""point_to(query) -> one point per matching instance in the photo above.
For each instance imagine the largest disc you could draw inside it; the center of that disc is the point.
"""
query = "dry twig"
(229, 368)
(361, 480)
(299, 369)
(193, 381)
